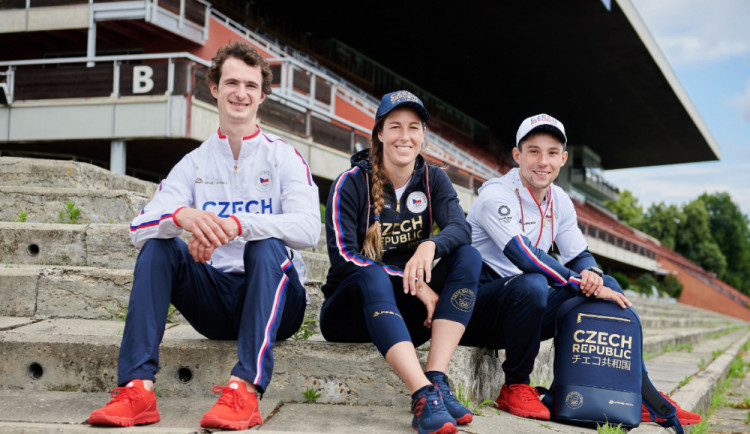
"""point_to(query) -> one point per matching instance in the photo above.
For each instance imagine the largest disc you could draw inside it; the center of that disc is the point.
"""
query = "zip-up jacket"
(269, 192)
(429, 197)
(513, 232)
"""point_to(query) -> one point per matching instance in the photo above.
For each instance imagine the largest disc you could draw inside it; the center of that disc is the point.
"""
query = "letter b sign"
(142, 79)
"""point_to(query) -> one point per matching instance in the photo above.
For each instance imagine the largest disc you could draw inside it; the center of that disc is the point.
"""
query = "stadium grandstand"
(121, 84)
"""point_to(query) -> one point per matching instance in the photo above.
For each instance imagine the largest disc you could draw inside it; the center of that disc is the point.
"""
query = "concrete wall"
(95, 118)
(38, 19)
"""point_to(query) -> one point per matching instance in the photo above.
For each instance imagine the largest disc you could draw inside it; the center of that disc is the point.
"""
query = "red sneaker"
(685, 417)
(236, 408)
(130, 405)
(521, 400)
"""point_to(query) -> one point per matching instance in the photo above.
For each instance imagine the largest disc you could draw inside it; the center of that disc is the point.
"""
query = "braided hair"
(373, 244)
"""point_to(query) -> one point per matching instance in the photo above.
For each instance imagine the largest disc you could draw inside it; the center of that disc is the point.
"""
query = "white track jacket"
(513, 232)
(269, 190)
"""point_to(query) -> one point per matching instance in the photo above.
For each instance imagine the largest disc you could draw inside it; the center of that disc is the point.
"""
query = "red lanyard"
(542, 215)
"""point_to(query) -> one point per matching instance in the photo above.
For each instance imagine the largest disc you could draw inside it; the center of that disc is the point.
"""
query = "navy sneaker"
(430, 415)
(454, 407)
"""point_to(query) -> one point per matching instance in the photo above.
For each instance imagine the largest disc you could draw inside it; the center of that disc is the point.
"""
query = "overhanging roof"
(598, 71)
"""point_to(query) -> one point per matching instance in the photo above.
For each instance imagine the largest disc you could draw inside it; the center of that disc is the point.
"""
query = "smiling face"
(539, 159)
(238, 94)
(402, 136)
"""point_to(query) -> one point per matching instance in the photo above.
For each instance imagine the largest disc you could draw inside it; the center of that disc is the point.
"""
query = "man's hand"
(605, 293)
(209, 231)
(590, 282)
(418, 270)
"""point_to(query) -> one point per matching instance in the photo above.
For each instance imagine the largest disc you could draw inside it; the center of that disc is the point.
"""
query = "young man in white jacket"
(248, 199)
(514, 222)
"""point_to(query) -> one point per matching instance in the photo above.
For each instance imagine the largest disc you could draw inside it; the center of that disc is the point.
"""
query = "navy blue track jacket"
(429, 197)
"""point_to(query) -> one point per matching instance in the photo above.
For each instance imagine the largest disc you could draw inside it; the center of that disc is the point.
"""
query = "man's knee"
(157, 249)
(531, 289)
(261, 250)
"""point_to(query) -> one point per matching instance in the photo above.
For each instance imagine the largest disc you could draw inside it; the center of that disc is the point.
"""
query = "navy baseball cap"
(402, 97)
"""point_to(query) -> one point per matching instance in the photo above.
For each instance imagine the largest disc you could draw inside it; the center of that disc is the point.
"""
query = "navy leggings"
(370, 305)
(264, 305)
(517, 313)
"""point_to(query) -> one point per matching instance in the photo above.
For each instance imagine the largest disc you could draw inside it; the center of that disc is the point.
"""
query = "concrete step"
(669, 308)
(44, 204)
(52, 174)
(44, 291)
(93, 245)
(81, 355)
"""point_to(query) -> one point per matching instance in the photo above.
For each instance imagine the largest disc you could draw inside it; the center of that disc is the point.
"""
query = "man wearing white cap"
(514, 222)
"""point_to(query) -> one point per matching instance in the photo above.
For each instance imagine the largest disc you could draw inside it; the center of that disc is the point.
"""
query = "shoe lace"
(231, 398)
(524, 392)
(124, 394)
(431, 398)
(441, 383)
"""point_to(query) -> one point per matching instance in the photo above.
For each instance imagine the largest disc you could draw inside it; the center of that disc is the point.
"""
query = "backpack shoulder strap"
(657, 405)
(546, 395)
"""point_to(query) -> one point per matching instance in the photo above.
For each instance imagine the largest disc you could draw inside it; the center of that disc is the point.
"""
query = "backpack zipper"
(591, 315)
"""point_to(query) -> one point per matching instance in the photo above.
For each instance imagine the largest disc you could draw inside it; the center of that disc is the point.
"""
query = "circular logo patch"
(463, 299)
(574, 400)
(263, 180)
(504, 212)
(416, 202)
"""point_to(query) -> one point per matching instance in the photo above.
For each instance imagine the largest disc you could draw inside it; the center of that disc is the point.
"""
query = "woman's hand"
(427, 296)
(418, 271)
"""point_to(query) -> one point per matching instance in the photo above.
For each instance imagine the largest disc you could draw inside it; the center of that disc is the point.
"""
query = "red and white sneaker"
(521, 400)
(237, 408)
(685, 417)
(130, 405)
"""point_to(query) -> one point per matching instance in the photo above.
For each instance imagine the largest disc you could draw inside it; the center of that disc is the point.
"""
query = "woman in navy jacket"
(381, 286)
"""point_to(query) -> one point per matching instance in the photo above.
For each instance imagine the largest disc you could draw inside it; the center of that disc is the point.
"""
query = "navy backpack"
(599, 372)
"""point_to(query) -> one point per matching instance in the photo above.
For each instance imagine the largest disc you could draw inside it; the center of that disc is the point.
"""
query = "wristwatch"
(595, 270)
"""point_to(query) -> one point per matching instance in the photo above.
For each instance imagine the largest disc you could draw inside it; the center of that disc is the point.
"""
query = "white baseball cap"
(543, 122)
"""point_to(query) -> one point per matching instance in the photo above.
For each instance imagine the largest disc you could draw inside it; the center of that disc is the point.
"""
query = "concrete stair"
(64, 290)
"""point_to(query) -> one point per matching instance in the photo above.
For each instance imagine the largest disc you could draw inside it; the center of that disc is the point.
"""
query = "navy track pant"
(517, 313)
(257, 308)
(370, 305)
